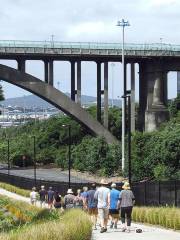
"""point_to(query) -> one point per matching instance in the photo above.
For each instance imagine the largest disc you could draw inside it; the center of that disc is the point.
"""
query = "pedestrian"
(42, 196)
(92, 205)
(102, 195)
(126, 202)
(33, 196)
(50, 197)
(78, 200)
(69, 199)
(113, 210)
(57, 201)
(84, 196)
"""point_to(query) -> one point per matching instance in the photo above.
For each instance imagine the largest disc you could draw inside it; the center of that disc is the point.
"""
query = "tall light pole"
(112, 101)
(34, 156)
(128, 96)
(123, 24)
(69, 153)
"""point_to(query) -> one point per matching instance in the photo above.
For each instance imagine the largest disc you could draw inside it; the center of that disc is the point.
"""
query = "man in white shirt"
(33, 196)
(103, 196)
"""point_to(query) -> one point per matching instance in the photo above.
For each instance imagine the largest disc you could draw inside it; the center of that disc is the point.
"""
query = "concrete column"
(156, 111)
(178, 83)
(51, 73)
(21, 65)
(142, 96)
(132, 97)
(79, 82)
(46, 71)
(73, 92)
(106, 95)
(99, 91)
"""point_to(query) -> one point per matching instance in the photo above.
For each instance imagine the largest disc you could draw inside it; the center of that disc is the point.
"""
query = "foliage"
(74, 224)
(14, 189)
(94, 154)
(163, 216)
(174, 106)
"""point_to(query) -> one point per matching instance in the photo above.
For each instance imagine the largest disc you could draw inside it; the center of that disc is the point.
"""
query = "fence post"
(159, 190)
(145, 194)
(175, 193)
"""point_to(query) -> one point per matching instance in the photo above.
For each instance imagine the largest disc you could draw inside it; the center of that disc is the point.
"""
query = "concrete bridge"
(155, 60)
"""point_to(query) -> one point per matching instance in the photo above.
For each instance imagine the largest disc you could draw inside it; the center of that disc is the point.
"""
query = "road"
(53, 174)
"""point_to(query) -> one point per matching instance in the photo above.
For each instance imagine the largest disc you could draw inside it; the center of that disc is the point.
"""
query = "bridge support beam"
(46, 71)
(99, 91)
(106, 95)
(156, 110)
(21, 65)
(142, 97)
(51, 73)
(132, 97)
(73, 92)
(78, 96)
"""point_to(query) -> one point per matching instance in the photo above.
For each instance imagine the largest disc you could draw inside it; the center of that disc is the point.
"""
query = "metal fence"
(161, 193)
(28, 183)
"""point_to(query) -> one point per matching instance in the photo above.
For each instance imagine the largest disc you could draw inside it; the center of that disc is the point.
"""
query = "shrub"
(163, 216)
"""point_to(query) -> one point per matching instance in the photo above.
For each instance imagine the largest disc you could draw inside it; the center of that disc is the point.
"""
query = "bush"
(74, 224)
(163, 216)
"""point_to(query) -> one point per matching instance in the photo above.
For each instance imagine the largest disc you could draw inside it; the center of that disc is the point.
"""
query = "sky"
(151, 21)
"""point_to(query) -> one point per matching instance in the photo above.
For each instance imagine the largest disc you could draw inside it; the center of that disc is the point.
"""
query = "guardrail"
(88, 45)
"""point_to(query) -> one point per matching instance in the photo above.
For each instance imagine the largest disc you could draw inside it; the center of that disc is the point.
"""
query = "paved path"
(149, 233)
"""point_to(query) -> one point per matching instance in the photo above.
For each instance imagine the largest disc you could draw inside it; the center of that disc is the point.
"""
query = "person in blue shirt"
(92, 204)
(113, 210)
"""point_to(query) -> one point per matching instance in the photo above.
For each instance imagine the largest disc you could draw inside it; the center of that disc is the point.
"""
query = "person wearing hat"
(33, 196)
(113, 210)
(42, 196)
(69, 199)
(102, 195)
(126, 202)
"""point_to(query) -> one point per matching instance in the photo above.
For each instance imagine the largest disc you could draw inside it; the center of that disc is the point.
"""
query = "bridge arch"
(56, 98)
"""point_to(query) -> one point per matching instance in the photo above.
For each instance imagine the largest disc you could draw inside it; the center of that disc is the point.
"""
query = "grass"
(168, 217)
(14, 189)
(72, 225)
(42, 224)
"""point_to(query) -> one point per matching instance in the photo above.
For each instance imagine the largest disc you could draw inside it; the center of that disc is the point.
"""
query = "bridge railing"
(88, 45)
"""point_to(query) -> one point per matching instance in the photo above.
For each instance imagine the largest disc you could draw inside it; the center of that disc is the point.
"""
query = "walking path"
(148, 232)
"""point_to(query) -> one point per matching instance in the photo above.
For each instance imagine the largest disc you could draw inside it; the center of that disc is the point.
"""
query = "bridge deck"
(43, 48)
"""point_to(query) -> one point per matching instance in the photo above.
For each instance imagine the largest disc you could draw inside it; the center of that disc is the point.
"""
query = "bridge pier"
(21, 65)
(106, 105)
(99, 91)
(153, 94)
(73, 92)
(78, 92)
(132, 97)
(51, 73)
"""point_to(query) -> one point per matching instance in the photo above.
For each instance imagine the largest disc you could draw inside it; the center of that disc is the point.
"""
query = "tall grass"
(73, 225)
(14, 189)
(168, 217)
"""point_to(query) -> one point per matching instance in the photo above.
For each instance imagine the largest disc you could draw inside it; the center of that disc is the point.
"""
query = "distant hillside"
(31, 101)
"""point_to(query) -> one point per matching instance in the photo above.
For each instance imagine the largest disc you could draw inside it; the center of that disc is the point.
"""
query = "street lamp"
(123, 24)
(8, 156)
(128, 96)
(69, 152)
(34, 158)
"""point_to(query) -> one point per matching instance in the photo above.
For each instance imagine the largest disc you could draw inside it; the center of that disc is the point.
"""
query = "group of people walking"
(99, 202)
